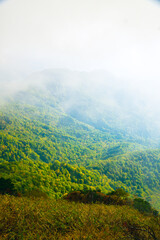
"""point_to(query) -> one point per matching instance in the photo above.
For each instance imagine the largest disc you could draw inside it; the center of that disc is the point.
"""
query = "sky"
(121, 37)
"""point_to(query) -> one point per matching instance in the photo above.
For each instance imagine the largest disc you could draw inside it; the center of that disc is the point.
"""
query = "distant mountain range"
(72, 130)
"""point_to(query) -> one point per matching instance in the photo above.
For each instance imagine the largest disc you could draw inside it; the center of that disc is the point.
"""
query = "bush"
(93, 196)
(142, 205)
(7, 187)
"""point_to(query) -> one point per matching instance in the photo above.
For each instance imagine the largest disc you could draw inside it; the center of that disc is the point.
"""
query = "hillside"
(33, 218)
(56, 137)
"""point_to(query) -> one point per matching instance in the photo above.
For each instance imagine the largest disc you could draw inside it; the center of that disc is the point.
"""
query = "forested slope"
(45, 146)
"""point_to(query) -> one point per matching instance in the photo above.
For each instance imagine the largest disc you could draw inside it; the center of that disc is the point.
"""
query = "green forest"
(69, 173)
(43, 147)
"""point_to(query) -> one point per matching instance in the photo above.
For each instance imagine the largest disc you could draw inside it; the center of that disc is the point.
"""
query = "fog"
(120, 37)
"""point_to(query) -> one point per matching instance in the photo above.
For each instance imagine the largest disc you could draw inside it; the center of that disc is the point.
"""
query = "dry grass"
(23, 219)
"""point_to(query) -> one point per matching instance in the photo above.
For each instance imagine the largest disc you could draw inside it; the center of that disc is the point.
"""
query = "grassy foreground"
(39, 218)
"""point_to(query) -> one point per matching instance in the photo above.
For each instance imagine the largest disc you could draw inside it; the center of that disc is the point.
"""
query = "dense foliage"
(117, 197)
(44, 148)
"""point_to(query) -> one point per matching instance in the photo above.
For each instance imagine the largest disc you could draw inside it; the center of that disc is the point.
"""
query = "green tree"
(6, 186)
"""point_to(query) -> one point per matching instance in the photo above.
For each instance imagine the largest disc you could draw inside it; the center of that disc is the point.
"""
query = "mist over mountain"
(79, 119)
(121, 38)
(96, 98)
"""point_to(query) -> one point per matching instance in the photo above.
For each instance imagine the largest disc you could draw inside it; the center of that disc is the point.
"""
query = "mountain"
(69, 130)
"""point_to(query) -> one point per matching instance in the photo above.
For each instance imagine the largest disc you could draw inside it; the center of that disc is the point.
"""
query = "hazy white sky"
(121, 36)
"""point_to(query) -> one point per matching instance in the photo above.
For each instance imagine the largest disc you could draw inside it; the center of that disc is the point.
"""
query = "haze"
(121, 37)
